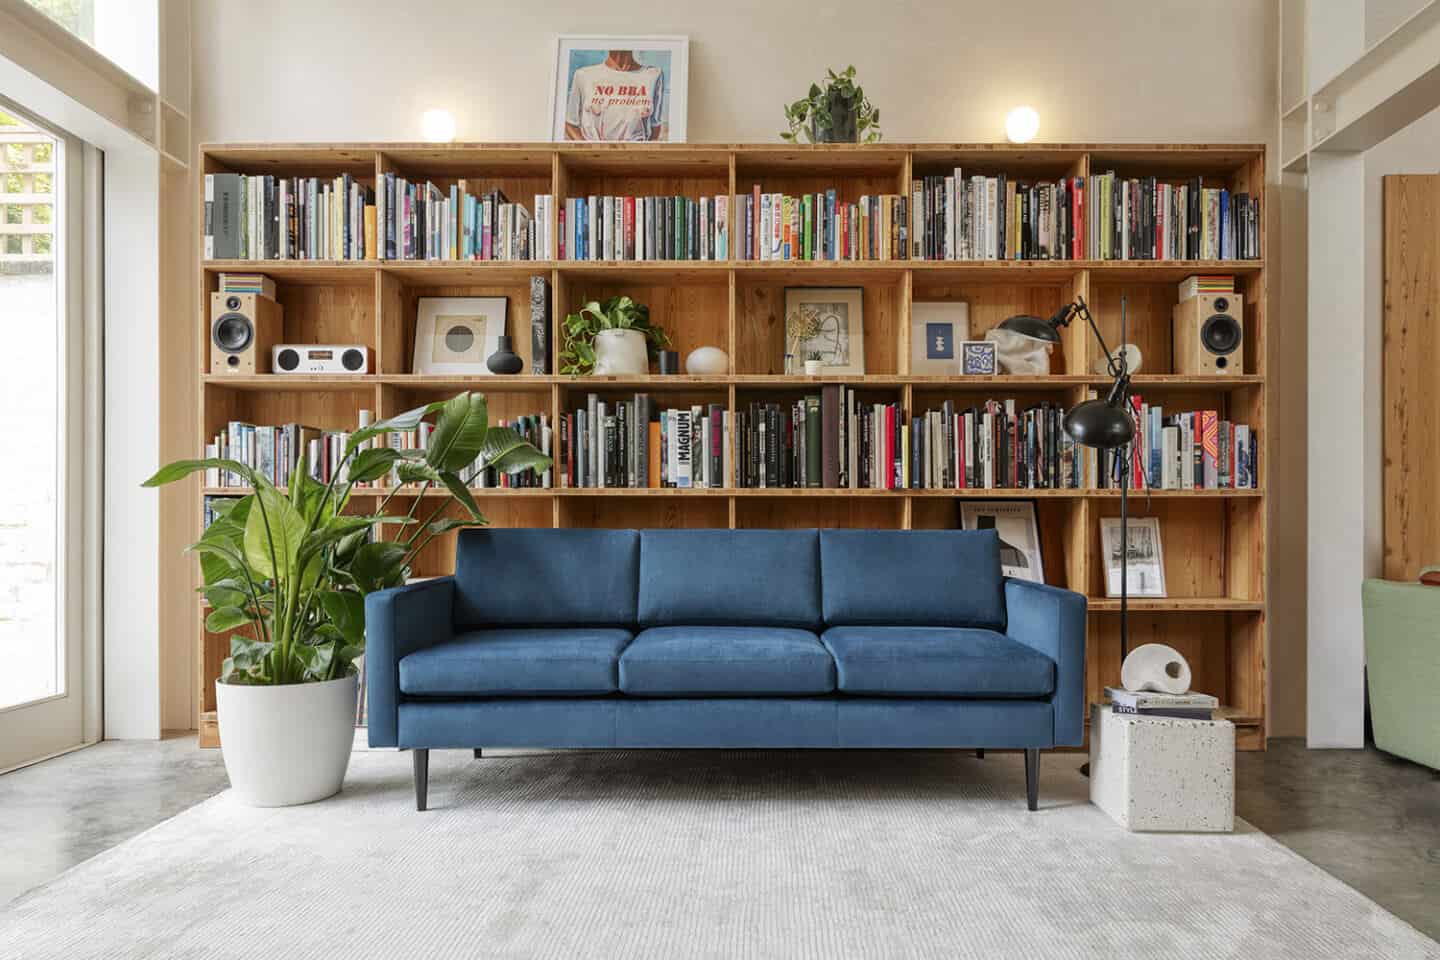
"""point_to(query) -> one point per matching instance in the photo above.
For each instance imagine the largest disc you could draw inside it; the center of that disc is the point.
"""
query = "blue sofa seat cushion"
(936, 578)
(742, 578)
(725, 661)
(550, 661)
(936, 662)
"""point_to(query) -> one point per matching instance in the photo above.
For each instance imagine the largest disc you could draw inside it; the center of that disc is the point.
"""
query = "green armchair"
(1402, 656)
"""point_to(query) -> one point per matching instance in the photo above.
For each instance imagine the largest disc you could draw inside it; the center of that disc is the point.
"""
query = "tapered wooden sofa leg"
(421, 760)
(1032, 777)
(478, 752)
(979, 753)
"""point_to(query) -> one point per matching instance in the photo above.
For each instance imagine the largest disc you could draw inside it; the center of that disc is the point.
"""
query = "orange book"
(653, 481)
(371, 252)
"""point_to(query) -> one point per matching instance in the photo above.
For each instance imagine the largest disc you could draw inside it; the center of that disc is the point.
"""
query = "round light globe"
(437, 126)
(1022, 124)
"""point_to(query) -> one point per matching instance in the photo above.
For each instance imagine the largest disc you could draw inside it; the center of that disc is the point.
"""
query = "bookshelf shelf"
(1215, 540)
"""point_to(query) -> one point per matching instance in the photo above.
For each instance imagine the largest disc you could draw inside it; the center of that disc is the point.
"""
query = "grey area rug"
(695, 854)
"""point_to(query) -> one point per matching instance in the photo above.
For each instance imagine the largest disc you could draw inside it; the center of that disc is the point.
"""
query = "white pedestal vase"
(621, 353)
(286, 744)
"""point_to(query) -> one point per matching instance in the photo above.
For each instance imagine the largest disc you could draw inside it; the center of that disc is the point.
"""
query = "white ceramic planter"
(813, 368)
(621, 353)
(287, 744)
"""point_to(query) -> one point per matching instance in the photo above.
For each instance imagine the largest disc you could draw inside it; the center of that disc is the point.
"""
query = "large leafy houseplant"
(294, 568)
(838, 112)
(616, 313)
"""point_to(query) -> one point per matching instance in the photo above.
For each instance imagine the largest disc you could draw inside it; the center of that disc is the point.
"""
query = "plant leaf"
(183, 468)
(346, 610)
(274, 524)
(416, 471)
(379, 565)
(459, 432)
(400, 423)
(460, 492)
(372, 464)
(506, 450)
(224, 619)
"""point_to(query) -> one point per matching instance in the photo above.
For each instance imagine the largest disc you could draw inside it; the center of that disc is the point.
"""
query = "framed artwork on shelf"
(1145, 557)
(455, 335)
(608, 89)
(936, 331)
(1019, 533)
(978, 359)
(827, 323)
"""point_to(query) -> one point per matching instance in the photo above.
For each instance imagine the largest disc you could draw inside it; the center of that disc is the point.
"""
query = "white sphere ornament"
(707, 362)
(1157, 668)
(1022, 124)
(437, 126)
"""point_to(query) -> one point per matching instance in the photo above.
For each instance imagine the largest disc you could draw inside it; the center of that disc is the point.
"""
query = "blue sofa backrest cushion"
(731, 577)
(542, 578)
(947, 578)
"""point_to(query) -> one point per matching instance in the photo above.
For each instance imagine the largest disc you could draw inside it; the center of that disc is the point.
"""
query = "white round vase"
(287, 744)
(621, 353)
(707, 362)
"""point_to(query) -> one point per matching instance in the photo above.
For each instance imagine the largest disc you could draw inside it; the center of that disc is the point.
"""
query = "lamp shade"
(1029, 326)
(1096, 423)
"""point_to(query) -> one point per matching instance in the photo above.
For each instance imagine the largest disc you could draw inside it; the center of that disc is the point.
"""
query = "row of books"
(274, 452)
(288, 218)
(645, 228)
(637, 444)
(1142, 218)
(534, 428)
(820, 226)
(995, 218)
(1153, 705)
(835, 439)
(421, 221)
(1190, 450)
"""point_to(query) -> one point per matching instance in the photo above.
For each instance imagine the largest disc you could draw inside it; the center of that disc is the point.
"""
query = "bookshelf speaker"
(1209, 335)
(243, 327)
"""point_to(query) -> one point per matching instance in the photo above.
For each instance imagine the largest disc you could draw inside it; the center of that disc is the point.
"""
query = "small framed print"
(457, 334)
(977, 358)
(936, 332)
(620, 89)
(1145, 558)
(1014, 521)
(828, 323)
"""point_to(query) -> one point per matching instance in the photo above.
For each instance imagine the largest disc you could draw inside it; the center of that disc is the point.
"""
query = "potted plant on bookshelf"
(838, 112)
(613, 338)
(814, 364)
(286, 573)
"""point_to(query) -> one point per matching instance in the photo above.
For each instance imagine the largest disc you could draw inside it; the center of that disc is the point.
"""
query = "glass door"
(42, 666)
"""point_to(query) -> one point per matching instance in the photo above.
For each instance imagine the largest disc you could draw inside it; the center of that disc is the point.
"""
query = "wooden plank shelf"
(1215, 540)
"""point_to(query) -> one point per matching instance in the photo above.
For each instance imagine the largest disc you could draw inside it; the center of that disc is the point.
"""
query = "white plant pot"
(621, 353)
(813, 368)
(287, 744)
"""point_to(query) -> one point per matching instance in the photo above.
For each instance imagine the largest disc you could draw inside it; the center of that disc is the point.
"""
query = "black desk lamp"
(1101, 424)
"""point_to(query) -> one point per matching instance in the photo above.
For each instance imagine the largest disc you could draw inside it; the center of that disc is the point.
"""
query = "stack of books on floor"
(635, 444)
(1142, 218)
(974, 217)
(421, 221)
(288, 218)
(821, 226)
(1174, 706)
(645, 228)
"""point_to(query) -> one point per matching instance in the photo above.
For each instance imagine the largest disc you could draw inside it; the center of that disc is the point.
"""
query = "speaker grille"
(1220, 334)
(352, 359)
(233, 332)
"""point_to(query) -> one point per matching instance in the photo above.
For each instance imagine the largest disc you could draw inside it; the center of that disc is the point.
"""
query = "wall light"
(1022, 124)
(437, 126)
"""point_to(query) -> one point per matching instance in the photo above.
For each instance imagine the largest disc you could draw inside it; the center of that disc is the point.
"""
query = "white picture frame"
(937, 329)
(1014, 520)
(829, 321)
(1146, 576)
(456, 335)
(608, 113)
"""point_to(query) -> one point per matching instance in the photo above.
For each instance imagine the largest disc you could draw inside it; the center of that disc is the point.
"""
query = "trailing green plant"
(838, 112)
(294, 568)
(617, 313)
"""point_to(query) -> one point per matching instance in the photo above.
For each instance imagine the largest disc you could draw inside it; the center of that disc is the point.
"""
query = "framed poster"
(936, 331)
(620, 89)
(1145, 558)
(1014, 520)
(828, 324)
(458, 334)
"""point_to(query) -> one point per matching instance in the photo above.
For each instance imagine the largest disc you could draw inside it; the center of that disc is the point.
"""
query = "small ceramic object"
(621, 353)
(1155, 667)
(707, 361)
(505, 360)
(1133, 357)
(813, 368)
(669, 362)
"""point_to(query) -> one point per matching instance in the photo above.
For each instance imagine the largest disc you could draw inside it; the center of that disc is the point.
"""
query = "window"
(123, 31)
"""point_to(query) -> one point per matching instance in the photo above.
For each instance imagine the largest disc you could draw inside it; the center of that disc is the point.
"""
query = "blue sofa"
(725, 638)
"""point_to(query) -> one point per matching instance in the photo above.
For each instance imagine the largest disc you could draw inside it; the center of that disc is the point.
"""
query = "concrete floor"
(1367, 818)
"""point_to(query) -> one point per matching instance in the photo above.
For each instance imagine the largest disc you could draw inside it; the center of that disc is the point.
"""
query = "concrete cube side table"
(1163, 774)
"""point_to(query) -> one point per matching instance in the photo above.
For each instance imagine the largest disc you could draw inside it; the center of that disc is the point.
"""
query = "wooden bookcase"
(1215, 541)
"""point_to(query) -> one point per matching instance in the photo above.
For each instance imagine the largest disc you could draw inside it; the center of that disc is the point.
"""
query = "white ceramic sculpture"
(1133, 359)
(707, 362)
(1157, 668)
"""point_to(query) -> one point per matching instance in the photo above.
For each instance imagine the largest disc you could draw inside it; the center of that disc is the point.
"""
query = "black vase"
(843, 128)
(505, 360)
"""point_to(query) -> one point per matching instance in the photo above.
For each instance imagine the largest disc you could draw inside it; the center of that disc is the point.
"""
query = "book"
(1150, 700)
(539, 325)
(1172, 713)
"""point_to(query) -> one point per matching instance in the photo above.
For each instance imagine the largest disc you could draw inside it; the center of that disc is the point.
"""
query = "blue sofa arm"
(398, 622)
(1052, 621)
